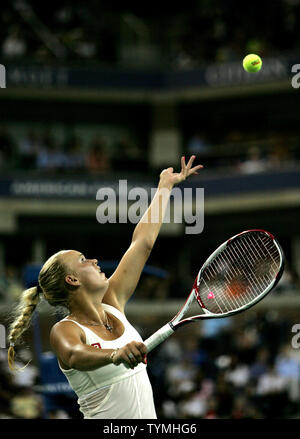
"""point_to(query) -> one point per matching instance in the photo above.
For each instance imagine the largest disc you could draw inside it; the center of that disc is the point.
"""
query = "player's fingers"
(183, 165)
(123, 357)
(190, 162)
(128, 361)
(142, 348)
(195, 169)
(135, 355)
(128, 358)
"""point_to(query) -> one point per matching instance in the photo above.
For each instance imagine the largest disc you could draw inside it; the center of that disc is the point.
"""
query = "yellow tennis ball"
(252, 63)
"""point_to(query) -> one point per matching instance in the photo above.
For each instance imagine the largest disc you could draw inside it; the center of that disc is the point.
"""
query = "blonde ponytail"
(29, 301)
(55, 290)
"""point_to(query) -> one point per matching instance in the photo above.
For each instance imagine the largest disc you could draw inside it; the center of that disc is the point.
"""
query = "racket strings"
(227, 301)
(240, 273)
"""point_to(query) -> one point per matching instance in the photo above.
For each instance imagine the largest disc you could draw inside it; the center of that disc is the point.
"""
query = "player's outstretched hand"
(131, 354)
(169, 176)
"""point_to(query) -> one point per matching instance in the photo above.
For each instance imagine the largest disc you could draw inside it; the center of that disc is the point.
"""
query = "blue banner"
(86, 189)
(213, 75)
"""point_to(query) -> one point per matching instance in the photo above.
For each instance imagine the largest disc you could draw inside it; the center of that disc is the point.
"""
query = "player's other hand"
(169, 177)
(131, 354)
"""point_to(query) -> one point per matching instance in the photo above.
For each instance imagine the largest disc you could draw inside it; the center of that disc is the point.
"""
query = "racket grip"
(158, 337)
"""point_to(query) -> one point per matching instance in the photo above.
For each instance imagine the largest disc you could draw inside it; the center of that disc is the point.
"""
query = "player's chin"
(104, 280)
(103, 277)
(100, 281)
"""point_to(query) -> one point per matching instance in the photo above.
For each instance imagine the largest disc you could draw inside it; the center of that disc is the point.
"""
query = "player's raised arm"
(124, 280)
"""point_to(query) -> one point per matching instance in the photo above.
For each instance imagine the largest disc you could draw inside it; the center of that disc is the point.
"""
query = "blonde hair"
(55, 290)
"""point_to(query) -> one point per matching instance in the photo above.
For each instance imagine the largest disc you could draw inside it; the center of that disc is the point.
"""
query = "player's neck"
(87, 310)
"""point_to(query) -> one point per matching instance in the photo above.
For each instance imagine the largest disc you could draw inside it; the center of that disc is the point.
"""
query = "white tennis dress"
(113, 392)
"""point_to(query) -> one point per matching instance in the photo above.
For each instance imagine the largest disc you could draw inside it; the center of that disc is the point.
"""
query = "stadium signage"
(85, 188)
(215, 75)
(233, 73)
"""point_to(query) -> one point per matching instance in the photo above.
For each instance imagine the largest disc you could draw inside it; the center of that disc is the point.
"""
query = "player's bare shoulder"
(66, 331)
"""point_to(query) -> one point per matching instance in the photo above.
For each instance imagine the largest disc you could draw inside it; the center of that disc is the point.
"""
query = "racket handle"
(158, 337)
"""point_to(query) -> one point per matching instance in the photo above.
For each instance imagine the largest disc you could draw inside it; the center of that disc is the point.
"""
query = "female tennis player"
(100, 353)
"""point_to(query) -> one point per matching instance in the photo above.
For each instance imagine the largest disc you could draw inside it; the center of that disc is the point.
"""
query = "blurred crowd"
(21, 396)
(240, 152)
(45, 153)
(184, 37)
(11, 285)
(237, 369)
(17, 397)
(247, 153)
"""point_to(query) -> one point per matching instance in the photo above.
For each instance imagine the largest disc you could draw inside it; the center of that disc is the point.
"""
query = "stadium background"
(95, 94)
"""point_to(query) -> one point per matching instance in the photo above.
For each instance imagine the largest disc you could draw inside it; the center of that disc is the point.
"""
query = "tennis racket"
(240, 272)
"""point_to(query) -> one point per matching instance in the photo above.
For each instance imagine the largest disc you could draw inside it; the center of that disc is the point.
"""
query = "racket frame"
(165, 331)
(194, 294)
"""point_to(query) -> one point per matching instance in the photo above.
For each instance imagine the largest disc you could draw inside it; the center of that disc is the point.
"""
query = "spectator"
(28, 149)
(98, 160)
(58, 414)
(13, 286)
(26, 404)
(180, 377)
(272, 395)
(74, 159)
(14, 44)
(197, 145)
(254, 163)
(211, 408)
(238, 374)
(50, 156)
(225, 395)
(287, 367)
(260, 366)
(239, 407)
(271, 383)
(192, 405)
(85, 46)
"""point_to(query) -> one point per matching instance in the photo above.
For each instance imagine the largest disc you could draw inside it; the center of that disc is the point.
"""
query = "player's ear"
(72, 280)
